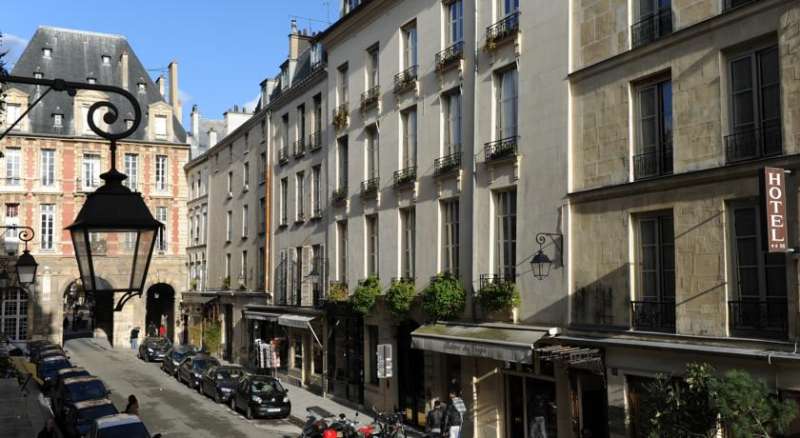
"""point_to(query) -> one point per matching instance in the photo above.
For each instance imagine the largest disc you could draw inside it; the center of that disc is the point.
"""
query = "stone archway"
(160, 309)
(88, 315)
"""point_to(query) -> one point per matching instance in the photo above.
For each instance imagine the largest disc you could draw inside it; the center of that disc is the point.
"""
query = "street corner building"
(52, 160)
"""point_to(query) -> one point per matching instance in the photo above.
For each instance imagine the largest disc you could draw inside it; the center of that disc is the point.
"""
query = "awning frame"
(299, 322)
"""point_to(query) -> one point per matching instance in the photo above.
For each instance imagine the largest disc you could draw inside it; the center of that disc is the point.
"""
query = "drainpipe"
(475, 143)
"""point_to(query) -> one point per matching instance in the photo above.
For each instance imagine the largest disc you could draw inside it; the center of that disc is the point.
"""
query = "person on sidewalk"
(433, 423)
(135, 338)
(162, 331)
(151, 329)
(133, 406)
(49, 429)
(454, 416)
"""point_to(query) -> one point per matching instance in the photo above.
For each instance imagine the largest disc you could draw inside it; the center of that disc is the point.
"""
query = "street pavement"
(165, 405)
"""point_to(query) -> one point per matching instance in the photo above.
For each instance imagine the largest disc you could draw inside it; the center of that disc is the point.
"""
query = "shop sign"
(384, 361)
(773, 192)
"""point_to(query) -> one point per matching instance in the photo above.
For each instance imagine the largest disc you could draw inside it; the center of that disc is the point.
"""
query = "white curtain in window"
(508, 104)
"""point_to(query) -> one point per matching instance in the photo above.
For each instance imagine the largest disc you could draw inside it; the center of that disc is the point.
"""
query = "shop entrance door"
(410, 369)
(530, 407)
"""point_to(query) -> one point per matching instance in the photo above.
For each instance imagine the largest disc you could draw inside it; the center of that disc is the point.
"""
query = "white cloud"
(250, 105)
(184, 97)
(14, 45)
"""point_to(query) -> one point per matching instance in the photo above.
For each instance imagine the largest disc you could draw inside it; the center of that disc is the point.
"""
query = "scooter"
(314, 426)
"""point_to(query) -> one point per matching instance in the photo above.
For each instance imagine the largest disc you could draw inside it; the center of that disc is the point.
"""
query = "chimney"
(174, 100)
(294, 41)
(123, 65)
(160, 84)
(195, 122)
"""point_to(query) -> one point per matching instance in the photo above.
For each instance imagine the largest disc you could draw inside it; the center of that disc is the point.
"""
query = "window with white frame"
(47, 52)
(106, 59)
(203, 225)
(47, 230)
(452, 122)
(506, 105)
(47, 167)
(284, 198)
(301, 124)
(132, 171)
(373, 146)
(262, 216)
(245, 176)
(14, 313)
(228, 267)
(91, 171)
(316, 202)
(505, 233)
(342, 163)
(407, 242)
(409, 144)
(409, 32)
(11, 236)
(161, 173)
(245, 216)
(58, 120)
(341, 250)
(371, 222)
(262, 167)
(343, 95)
(507, 7)
(455, 22)
(450, 235)
(300, 196)
(373, 78)
(162, 242)
(243, 273)
(13, 157)
(13, 111)
(228, 225)
(230, 183)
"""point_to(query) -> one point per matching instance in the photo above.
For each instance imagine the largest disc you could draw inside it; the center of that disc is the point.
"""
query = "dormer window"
(47, 52)
(141, 87)
(212, 138)
(128, 123)
(38, 75)
(58, 120)
(91, 80)
(106, 59)
(161, 126)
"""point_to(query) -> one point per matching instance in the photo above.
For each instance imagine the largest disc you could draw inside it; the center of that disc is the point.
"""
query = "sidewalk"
(303, 399)
(21, 416)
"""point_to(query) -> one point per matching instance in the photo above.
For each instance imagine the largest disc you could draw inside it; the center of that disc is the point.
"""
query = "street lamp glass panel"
(540, 265)
(120, 256)
(26, 268)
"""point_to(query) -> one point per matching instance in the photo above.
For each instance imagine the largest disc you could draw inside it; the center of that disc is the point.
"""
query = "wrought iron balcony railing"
(369, 188)
(339, 196)
(299, 147)
(759, 317)
(653, 163)
(341, 116)
(653, 316)
(651, 27)
(487, 279)
(501, 30)
(449, 56)
(283, 154)
(405, 80)
(370, 97)
(405, 177)
(446, 164)
(501, 149)
(755, 143)
(733, 4)
(315, 141)
(316, 212)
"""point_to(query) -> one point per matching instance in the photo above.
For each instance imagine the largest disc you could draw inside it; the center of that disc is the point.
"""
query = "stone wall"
(789, 43)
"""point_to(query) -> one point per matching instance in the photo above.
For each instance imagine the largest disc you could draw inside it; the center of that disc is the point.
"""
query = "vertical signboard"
(773, 194)
(384, 361)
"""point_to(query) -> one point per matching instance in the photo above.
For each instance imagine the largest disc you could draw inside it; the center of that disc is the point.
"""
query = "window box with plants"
(449, 57)
(502, 149)
(400, 296)
(444, 297)
(370, 98)
(226, 283)
(502, 30)
(405, 177)
(366, 294)
(338, 292)
(340, 117)
(339, 196)
(369, 188)
(299, 147)
(406, 80)
(447, 164)
(499, 298)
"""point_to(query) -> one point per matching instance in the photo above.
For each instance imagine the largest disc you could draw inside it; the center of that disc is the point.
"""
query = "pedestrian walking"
(151, 329)
(433, 422)
(49, 429)
(133, 406)
(454, 416)
(134, 338)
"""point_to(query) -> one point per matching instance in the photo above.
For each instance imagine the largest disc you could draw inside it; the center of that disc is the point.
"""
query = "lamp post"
(114, 230)
(26, 265)
(540, 262)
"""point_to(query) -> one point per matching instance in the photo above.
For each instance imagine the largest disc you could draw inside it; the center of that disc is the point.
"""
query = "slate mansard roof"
(76, 56)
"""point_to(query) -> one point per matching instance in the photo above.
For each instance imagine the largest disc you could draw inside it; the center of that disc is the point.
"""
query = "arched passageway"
(160, 309)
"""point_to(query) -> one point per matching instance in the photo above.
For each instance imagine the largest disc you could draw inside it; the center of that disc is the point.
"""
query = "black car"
(220, 382)
(78, 418)
(154, 349)
(191, 370)
(47, 369)
(34, 346)
(261, 396)
(76, 389)
(47, 351)
(174, 357)
(66, 373)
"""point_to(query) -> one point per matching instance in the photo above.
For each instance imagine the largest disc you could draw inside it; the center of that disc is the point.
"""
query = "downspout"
(475, 138)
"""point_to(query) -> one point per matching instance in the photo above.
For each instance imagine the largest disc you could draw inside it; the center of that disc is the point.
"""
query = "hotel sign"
(773, 193)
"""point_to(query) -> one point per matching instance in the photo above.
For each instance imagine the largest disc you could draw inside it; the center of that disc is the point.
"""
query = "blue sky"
(224, 48)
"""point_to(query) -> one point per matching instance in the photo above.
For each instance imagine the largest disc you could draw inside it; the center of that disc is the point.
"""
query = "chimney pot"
(174, 99)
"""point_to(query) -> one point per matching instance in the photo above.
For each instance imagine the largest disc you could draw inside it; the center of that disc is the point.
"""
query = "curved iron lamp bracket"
(25, 233)
(556, 239)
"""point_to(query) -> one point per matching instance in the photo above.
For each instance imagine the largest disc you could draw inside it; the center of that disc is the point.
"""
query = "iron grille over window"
(503, 29)
(651, 27)
(501, 149)
(449, 56)
(405, 80)
(446, 164)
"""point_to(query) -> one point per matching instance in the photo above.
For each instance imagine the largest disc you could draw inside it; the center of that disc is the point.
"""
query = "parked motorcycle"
(314, 426)
(389, 425)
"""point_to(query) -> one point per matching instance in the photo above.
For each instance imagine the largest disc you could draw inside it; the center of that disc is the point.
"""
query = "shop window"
(318, 364)
(298, 353)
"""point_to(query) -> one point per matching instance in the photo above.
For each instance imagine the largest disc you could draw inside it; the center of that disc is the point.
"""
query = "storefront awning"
(504, 342)
(299, 321)
(261, 316)
(197, 298)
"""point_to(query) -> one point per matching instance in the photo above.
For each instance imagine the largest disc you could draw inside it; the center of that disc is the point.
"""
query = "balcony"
(316, 213)
(299, 148)
(733, 4)
(753, 144)
(283, 155)
(339, 196)
(502, 30)
(405, 80)
(402, 280)
(487, 279)
(341, 116)
(369, 188)
(501, 149)
(405, 177)
(449, 56)
(651, 27)
(315, 141)
(654, 163)
(653, 316)
(447, 164)
(370, 98)
(759, 318)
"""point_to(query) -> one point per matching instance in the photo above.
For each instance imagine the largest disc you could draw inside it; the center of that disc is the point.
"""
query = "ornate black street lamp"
(26, 265)
(114, 232)
(540, 262)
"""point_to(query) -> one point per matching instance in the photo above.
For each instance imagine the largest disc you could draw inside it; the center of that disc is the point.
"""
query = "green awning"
(505, 342)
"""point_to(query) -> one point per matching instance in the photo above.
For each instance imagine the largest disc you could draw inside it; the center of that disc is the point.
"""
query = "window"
(372, 66)
(141, 87)
(301, 123)
(162, 241)
(372, 337)
(654, 155)
(373, 146)
(300, 196)
(228, 267)
(455, 21)
(450, 236)
(38, 75)
(283, 200)
(243, 273)
(212, 139)
(318, 116)
(132, 171)
(262, 167)
(342, 163)
(317, 370)
(245, 176)
(244, 221)
(58, 120)
(230, 183)
(14, 313)
(506, 104)
(48, 213)
(349, 5)
(343, 96)
(228, 225)
(452, 121)
(285, 135)
(47, 167)
(47, 52)
(91, 171)
(161, 173)
(341, 250)
(298, 276)
(298, 352)
(315, 191)
(262, 216)
(106, 59)
(13, 111)
(260, 268)
(755, 105)
(656, 258)
(11, 219)
(203, 224)
(505, 230)
(372, 245)
(13, 166)
(654, 20)
(161, 126)
(508, 7)
(407, 242)
(409, 146)
(409, 45)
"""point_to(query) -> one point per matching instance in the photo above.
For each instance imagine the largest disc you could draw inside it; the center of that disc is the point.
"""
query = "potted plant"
(226, 282)
(338, 292)
(499, 298)
(193, 284)
(399, 297)
(366, 293)
(444, 297)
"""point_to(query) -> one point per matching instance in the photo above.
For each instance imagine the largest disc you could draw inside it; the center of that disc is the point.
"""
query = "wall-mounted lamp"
(540, 262)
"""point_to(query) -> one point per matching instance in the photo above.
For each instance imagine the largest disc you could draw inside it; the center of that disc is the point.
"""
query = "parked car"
(47, 351)
(77, 419)
(154, 349)
(74, 390)
(66, 373)
(219, 382)
(261, 396)
(191, 370)
(120, 426)
(174, 357)
(34, 346)
(47, 369)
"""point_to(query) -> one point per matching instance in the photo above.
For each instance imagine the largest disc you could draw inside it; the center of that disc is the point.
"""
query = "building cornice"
(298, 89)
(228, 139)
(35, 136)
